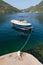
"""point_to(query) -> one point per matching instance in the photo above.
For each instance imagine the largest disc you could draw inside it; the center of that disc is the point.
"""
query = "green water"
(11, 40)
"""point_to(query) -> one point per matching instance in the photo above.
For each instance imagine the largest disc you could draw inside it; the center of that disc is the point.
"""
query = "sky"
(22, 4)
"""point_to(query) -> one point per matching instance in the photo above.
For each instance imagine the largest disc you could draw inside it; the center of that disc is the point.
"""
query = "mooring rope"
(26, 42)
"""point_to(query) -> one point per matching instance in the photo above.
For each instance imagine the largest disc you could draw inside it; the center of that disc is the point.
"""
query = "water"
(11, 40)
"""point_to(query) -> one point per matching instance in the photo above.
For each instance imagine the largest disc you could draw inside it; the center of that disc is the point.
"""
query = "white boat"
(22, 24)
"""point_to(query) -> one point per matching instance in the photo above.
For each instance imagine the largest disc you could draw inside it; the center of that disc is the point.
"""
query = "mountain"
(35, 9)
(6, 8)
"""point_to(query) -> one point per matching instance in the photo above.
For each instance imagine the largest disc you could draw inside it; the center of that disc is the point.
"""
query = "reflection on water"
(22, 32)
(12, 40)
(40, 18)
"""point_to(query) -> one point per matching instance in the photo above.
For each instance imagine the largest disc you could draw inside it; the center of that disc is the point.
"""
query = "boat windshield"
(23, 21)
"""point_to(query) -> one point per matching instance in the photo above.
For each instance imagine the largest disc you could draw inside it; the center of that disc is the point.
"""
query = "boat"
(21, 25)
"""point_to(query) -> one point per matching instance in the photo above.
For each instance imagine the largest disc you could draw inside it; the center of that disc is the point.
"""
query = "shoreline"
(13, 58)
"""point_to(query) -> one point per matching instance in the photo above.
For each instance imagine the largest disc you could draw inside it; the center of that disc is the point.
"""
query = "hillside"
(35, 9)
(6, 8)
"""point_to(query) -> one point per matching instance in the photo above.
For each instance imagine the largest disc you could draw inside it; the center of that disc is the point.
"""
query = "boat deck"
(20, 22)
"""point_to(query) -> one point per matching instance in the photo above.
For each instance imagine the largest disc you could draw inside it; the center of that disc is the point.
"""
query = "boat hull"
(23, 28)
